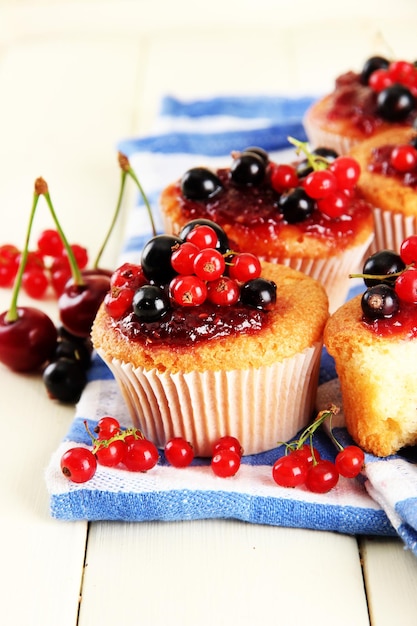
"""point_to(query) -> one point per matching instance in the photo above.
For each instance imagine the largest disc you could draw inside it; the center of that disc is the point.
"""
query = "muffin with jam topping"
(307, 215)
(205, 342)
(388, 181)
(382, 95)
(373, 339)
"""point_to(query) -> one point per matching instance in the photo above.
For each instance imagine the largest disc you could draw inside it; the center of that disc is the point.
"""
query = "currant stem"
(114, 220)
(75, 270)
(125, 165)
(12, 314)
(315, 161)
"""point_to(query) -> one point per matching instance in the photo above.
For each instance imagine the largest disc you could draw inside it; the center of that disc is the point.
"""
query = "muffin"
(382, 95)
(247, 368)
(392, 192)
(373, 339)
(264, 208)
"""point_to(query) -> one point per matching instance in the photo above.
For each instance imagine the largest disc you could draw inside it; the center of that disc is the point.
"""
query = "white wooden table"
(75, 77)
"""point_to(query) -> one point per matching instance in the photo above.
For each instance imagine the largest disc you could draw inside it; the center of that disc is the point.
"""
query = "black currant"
(370, 65)
(296, 205)
(413, 140)
(150, 303)
(259, 293)
(223, 241)
(200, 183)
(395, 103)
(303, 168)
(77, 351)
(383, 263)
(64, 380)
(379, 301)
(260, 152)
(156, 258)
(247, 169)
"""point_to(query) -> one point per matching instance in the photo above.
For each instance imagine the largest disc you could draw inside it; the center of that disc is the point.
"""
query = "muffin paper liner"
(318, 137)
(391, 229)
(261, 407)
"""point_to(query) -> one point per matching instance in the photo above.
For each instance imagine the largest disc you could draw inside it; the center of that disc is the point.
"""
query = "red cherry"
(290, 470)
(78, 304)
(349, 461)
(322, 477)
(29, 341)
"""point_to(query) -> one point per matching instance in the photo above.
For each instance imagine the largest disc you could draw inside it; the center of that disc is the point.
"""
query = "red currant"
(35, 282)
(179, 452)
(225, 463)
(209, 264)
(188, 290)
(322, 477)
(283, 177)
(128, 275)
(334, 205)
(404, 158)
(182, 259)
(408, 250)
(245, 266)
(141, 456)
(78, 464)
(50, 243)
(349, 461)
(9, 264)
(203, 236)
(118, 300)
(406, 286)
(107, 427)
(228, 442)
(380, 79)
(290, 470)
(401, 71)
(224, 291)
(320, 183)
(310, 454)
(347, 171)
(111, 454)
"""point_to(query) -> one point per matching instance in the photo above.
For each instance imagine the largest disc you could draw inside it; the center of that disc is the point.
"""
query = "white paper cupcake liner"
(261, 407)
(318, 137)
(391, 229)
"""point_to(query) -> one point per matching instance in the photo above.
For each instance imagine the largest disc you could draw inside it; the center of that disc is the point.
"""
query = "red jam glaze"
(186, 326)
(357, 103)
(403, 324)
(380, 164)
(251, 216)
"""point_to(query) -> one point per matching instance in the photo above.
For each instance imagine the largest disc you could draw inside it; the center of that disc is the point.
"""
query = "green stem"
(132, 174)
(12, 315)
(315, 161)
(115, 216)
(75, 270)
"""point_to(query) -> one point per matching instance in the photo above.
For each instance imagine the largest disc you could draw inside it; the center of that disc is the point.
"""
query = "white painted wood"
(75, 77)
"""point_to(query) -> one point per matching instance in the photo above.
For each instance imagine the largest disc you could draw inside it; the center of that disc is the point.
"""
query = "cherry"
(78, 464)
(322, 477)
(290, 470)
(349, 461)
(79, 303)
(27, 340)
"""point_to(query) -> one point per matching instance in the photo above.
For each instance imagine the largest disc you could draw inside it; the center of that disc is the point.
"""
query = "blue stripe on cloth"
(275, 108)
(179, 505)
(271, 138)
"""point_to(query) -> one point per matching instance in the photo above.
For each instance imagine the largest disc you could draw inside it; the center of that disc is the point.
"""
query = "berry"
(260, 152)
(404, 158)
(118, 301)
(156, 258)
(259, 293)
(406, 286)
(370, 65)
(199, 183)
(77, 351)
(188, 290)
(78, 304)
(228, 442)
(179, 452)
(283, 177)
(395, 103)
(128, 275)
(322, 477)
(150, 303)
(111, 453)
(107, 427)
(333, 205)
(248, 169)
(209, 264)
(296, 205)
(309, 453)
(346, 171)
(320, 184)
(224, 291)
(78, 464)
(290, 470)
(223, 241)
(182, 259)
(50, 243)
(64, 380)
(141, 455)
(349, 461)
(245, 266)
(203, 236)
(382, 264)
(326, 155)
(408, 250)
(225, 463)
(379, 301)
(380, 80)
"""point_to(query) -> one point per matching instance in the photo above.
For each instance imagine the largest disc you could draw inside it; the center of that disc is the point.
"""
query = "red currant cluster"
(46, 265)
(394, 73)
(303, 465)
(129, 449)
(330, 183)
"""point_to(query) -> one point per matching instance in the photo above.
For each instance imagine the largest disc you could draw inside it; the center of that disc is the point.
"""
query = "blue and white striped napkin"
(383, 501)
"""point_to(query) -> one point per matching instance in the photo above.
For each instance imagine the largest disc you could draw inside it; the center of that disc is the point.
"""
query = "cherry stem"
(315, 161)
(114, 220)
(125, 165)
(42, 189)
(311, 429)
(12, 315)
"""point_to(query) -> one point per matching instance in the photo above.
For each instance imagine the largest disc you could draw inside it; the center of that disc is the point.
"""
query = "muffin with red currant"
(205, 342)
(381, 95)
(388, 181)
(373, 339)
(307, 215)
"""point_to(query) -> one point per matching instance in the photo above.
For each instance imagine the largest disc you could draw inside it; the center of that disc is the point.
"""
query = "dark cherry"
(259, 293)
(29, 342)
(382, 263)
(150, 303)
(369, 67)
(156, 258)
(78, 304)
(64, 380)
(223, 241)
(296, 205)
(303, 168)
(248, 169)
(200, 183)
(379, 301)
(395, 103)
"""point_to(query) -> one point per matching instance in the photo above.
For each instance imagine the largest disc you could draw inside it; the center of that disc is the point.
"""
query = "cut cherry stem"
(126, 167)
